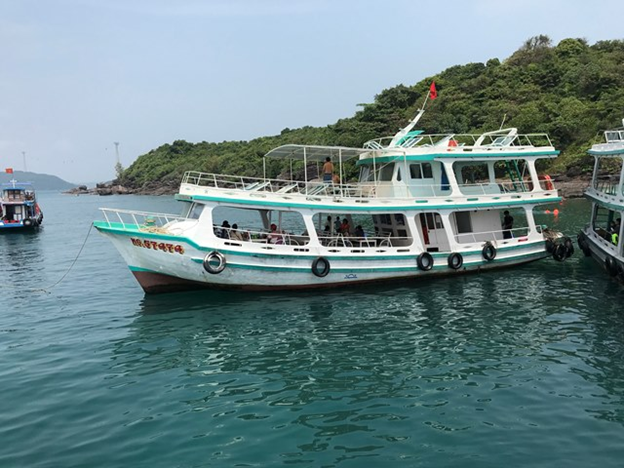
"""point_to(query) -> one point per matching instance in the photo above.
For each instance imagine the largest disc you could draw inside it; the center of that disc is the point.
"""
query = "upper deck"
(406, 170)
(17, 193)
(614, 144)
(607, 185)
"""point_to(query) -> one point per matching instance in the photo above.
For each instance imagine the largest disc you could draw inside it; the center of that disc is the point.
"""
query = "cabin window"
(366, 175)
(386, 172)
(399, 174)
(605, 222)
(607, 175)
(421, 171)
(464, 224)
(254, 225)
(195, 210)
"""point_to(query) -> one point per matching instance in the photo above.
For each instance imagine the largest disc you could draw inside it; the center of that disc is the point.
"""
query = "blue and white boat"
(423, 206)
(601, 239)
(19, 208)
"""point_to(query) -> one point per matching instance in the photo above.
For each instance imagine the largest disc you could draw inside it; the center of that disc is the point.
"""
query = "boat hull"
(600, 250)
(178, 266)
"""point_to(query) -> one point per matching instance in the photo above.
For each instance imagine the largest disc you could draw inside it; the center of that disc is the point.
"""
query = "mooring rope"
(46, 290)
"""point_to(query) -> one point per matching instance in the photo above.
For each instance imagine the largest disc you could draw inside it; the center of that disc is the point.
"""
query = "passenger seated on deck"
(236, 234)
(359, 232)
(225, 230)
(275, 236)
(345, 229)
(328, 225)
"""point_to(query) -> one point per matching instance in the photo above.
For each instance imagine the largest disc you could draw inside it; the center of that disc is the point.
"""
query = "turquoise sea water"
(522, 367)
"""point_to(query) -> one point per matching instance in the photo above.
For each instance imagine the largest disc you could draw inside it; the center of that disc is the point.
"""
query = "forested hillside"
(572, 91)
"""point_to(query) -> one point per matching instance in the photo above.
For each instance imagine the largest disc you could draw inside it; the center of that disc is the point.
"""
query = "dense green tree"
(571, 91)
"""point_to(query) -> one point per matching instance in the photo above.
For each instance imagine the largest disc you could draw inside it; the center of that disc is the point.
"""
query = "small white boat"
(601, 238)
(19, 209)
(424, 205)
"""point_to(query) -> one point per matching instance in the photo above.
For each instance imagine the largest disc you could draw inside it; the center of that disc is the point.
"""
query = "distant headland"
(39, 181)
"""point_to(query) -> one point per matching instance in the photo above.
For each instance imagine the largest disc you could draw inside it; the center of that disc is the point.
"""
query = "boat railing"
(608, 187)
(614, 136)
(340, 240)
(256, 185)
(484, 236)
(141, 220)
(466, 141)
(282, 237)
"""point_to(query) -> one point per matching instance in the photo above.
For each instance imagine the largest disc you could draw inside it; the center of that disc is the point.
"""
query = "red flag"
(433, 93)
(9, 170)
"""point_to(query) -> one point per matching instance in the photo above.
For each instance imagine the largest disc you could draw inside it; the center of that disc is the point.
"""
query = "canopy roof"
(315, 153)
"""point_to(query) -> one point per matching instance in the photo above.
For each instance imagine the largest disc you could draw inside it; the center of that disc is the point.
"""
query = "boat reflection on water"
(22, 257)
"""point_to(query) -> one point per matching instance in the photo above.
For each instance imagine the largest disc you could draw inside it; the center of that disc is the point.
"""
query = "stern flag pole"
(432, 93)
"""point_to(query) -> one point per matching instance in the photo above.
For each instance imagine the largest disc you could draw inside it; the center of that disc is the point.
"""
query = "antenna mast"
(24, 157)
(116, 143)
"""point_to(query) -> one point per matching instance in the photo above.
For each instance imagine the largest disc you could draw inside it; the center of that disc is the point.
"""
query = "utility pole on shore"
(116, 143)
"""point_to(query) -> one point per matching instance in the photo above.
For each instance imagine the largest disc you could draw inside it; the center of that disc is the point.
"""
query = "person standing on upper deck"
(328, 170)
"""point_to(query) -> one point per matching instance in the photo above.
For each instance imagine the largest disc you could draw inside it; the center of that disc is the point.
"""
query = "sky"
(78, 75)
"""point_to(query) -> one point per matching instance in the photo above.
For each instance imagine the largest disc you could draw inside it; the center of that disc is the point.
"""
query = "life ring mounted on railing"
(209, 262)
(548, 183)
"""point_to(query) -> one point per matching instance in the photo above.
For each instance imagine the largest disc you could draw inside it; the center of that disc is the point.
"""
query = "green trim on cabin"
(371, 209)
(601, 202)
(455, 155)
(606, 153)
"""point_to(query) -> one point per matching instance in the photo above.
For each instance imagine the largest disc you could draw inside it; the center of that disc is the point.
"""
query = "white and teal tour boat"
(601, 238)
(423, 206)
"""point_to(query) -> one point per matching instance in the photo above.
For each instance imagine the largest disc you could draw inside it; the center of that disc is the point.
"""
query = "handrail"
(521, 232)
(361, 190)
(143, 220)
(468, 141)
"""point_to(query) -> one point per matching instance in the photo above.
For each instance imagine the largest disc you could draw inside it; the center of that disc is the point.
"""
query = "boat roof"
(315, 153)
(17, 185)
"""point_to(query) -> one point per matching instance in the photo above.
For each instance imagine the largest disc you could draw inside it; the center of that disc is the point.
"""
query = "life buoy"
(424, 261)
(548, 184)
(611, 265)
(559, 253)
(455, 261)
(488, 252)
(325, 267)
(28, 222)
(209, 262)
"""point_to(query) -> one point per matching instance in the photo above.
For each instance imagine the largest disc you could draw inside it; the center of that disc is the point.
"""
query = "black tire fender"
(569, 246)
(455, 261)
(550, 246)
(425, 261)
(488, 252)
(559, 253)
(611, 265)
(325, 267)
(209, 262)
